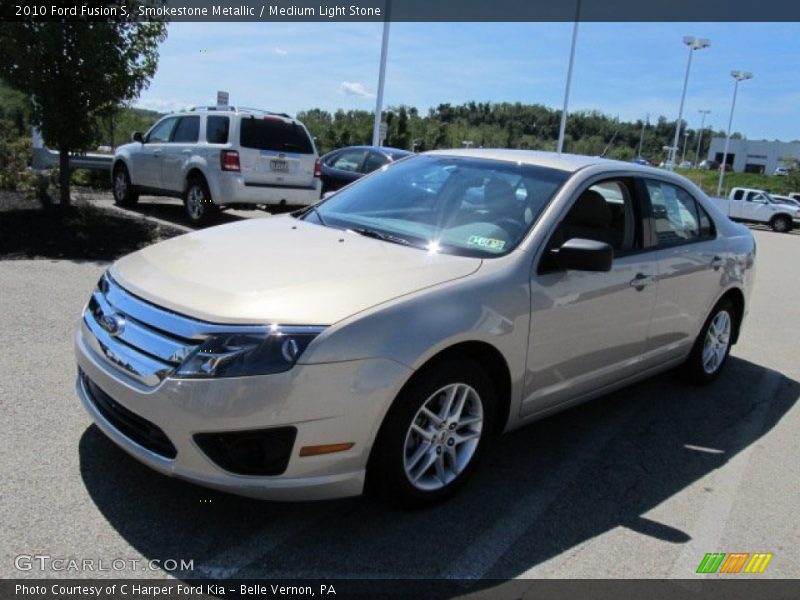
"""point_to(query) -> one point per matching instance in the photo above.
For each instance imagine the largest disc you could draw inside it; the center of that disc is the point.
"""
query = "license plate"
(278, 165)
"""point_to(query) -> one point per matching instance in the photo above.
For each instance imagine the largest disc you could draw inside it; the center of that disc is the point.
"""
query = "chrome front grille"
(140, 339)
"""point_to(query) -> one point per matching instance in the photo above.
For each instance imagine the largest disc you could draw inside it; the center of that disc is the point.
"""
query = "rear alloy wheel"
(433, 435)
(123, 190)
(197, 200)
(713, 345)
(781, 224)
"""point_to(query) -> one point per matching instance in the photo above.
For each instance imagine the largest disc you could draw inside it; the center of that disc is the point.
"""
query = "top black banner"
(405, 10)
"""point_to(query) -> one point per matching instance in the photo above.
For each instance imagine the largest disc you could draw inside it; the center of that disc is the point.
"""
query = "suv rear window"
(274, 134)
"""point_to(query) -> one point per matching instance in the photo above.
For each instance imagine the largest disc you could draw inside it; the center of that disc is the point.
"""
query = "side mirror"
(138, 137)
(328, 194)
(579, 254)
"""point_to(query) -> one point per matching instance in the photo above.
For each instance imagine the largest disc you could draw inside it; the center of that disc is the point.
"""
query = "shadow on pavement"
(173, 211)
(540, 490)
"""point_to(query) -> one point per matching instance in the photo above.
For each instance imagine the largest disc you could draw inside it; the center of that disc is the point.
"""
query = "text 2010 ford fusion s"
(375, 340)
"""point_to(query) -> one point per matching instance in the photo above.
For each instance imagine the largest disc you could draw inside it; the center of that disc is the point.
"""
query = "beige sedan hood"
(280, 270)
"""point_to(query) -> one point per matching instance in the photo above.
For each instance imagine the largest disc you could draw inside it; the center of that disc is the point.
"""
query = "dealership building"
(753, 156)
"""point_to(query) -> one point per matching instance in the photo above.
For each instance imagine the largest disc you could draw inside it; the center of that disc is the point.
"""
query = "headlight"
(242, 354)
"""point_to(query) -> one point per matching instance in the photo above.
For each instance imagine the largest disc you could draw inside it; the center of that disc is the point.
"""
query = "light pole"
(694, 44)
(737, 76)
(685, 143)
(376, 129)
(563, 126)
(641, 135)
(700, 137)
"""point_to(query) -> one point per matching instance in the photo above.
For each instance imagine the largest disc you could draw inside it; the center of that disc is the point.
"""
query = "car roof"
(393, 152)
(553, 160)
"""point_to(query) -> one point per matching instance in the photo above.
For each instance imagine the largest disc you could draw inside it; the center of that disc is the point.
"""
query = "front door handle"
(187, 151)
(717, 262)
(641, 281)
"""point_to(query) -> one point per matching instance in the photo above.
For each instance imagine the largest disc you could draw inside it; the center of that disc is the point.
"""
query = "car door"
(343, 168)
(177, 152)
(147, 165)
(690, 266)
(756, 207)
(589, 329)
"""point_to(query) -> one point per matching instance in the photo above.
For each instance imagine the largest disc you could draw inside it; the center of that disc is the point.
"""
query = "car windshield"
(455, 205)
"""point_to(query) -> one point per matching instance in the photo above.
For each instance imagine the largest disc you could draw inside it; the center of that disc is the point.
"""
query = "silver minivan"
(218, 157)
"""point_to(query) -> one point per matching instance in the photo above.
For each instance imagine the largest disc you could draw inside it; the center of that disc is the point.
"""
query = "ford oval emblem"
(113, 324)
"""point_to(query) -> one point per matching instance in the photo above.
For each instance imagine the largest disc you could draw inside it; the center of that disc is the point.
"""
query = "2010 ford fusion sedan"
(375, 340)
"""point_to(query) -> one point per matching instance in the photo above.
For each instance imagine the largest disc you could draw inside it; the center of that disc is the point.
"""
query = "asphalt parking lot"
(638, 484)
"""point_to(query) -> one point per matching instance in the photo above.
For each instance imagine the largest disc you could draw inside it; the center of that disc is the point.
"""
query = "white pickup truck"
(757, 206)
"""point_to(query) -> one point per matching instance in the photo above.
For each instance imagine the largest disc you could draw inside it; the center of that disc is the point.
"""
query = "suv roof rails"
(265, 112)
(214, 108)
(239, 109)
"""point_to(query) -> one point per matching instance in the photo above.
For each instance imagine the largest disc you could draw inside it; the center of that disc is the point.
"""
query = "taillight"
(317, 169)
(229, 160)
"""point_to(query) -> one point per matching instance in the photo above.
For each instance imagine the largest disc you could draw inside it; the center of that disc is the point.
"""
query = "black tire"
(781, 224)
(200, 209)
(386, 470)
(125, 194)
(696, 368)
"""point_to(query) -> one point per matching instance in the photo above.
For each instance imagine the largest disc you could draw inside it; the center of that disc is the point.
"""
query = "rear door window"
(677, 216)
(187, 131)
(274, 134)
(217, 130)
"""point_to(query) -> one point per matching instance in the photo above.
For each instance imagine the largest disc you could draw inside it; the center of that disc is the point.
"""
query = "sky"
(624, 70)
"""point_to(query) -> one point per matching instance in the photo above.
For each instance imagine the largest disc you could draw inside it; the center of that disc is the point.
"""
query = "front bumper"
(327, 404)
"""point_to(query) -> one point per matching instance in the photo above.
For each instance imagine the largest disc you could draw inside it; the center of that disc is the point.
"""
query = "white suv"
(220, 157)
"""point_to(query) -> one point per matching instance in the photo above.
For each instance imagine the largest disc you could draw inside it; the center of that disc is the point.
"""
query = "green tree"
(75, 72)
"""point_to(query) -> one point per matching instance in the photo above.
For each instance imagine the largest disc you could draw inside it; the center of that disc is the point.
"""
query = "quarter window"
(217, 130)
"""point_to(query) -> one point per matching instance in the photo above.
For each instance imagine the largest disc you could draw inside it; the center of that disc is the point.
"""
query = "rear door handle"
(641, 281)
(187, 151)
(717, 262)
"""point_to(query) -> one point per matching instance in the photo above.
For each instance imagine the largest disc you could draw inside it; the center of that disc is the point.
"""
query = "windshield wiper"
(314, 209)
(371, 233)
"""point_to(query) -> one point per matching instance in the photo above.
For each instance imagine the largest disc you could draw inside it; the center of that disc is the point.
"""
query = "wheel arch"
(491, 359)
(781, 215)
(192, 172)
(736, 296)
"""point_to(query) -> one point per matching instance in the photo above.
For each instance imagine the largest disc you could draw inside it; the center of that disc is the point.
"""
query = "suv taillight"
(317, 169)
(229, 160)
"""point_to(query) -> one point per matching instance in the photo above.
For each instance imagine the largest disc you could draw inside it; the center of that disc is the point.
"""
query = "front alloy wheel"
(433, 434)
(443, 437)
(781, 224)
(124, 193)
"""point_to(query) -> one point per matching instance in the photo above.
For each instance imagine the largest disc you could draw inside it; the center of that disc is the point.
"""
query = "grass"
(82, 232)
(707, 180)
